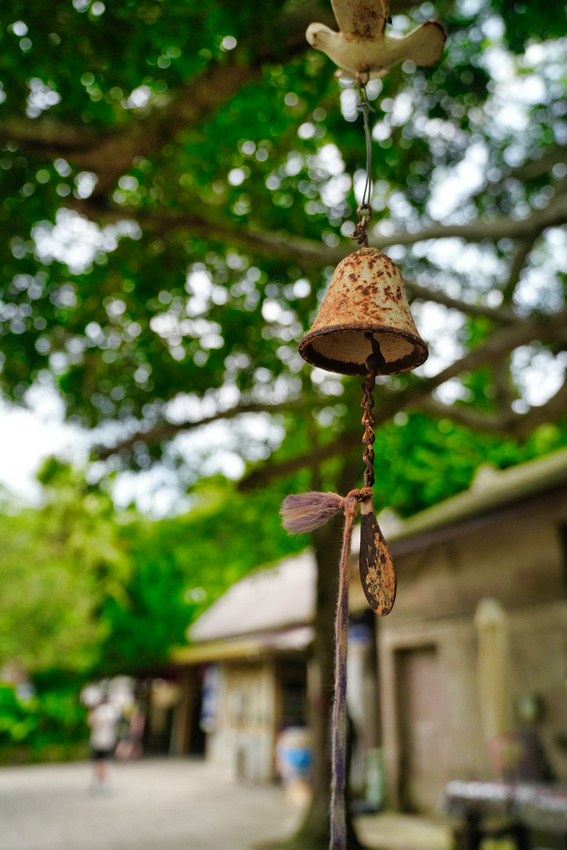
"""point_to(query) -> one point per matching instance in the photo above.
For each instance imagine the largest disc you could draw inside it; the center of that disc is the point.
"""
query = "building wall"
(428, 645)
(451, 726)
(514, 554)
(538, 650)
(243, 740)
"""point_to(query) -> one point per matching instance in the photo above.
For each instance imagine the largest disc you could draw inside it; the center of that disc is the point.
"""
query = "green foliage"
(88, 589)
(47, 599)
(17, 718)
(58, 565)
(181, 565)
(48, 725)
(439, 459)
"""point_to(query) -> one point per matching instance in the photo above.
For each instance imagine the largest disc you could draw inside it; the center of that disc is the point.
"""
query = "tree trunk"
(314, 832)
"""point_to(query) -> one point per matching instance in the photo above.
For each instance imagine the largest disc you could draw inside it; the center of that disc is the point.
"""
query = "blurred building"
(414, 688)
(244, 678)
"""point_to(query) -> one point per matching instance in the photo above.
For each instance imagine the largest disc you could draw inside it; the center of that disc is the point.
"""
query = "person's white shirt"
(103, 721)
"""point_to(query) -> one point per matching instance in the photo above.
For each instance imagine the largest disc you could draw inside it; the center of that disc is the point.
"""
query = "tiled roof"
(272, 598)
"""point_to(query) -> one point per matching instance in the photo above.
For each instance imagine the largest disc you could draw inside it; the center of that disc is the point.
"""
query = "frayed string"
(306, 512)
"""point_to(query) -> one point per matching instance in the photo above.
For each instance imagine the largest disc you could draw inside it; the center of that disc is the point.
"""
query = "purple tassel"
(308, 511)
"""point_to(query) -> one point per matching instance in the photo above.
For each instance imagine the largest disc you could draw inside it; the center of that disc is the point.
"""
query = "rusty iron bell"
(366, 302)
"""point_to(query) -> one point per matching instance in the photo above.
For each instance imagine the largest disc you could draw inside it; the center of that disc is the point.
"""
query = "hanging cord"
(364, 211)
(305, 512)
(340, 717)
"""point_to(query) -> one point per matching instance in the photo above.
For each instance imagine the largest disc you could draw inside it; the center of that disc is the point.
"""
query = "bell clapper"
(375, 362)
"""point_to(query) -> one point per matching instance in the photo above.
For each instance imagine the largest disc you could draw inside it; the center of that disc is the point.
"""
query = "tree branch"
(500, 343)
(524, 246)
(553, 215)
(44, 135)
(109, 153)
(497, 314)
(417, 395)
(508, 422)
(168, 430)
(312, 251)
(262, 243)
(537, 167)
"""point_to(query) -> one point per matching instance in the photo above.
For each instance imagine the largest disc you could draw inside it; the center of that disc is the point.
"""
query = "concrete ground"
(166, 804)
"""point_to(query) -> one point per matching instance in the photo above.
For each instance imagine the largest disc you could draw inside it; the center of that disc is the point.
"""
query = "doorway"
(421, 728)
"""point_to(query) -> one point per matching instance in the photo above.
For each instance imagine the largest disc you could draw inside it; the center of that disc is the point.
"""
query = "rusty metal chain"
(376, 365)
(368, 421)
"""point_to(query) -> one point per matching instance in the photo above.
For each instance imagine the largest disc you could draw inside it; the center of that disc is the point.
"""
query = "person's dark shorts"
(101, 755)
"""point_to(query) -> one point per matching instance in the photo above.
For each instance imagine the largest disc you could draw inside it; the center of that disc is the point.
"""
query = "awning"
(251, 647)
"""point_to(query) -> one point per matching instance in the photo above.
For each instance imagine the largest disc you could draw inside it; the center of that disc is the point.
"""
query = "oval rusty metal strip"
(377, 572)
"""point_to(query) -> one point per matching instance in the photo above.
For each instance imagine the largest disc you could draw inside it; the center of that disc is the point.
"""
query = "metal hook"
(363, 212)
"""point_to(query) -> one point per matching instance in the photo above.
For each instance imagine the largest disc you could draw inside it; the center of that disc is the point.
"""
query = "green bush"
(48, 726)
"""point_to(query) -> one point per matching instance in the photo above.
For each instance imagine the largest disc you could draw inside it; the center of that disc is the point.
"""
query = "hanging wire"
(366, 110)
(364, 211)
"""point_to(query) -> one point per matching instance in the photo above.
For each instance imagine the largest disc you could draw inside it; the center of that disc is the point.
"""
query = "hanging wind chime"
(364, 327)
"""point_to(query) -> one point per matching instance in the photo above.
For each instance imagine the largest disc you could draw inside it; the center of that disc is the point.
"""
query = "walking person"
(103, 721)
